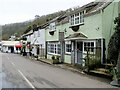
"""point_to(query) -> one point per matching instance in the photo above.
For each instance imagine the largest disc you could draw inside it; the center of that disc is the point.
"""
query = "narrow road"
(20, 72)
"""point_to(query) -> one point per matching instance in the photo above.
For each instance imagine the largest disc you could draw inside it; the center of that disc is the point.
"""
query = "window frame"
(55, 49)
(68, 43)
(52, 26)
(74, 17)
(90, 46)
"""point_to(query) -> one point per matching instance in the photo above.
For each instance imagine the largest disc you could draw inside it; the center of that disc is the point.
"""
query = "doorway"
(79, 52)
(12, 49)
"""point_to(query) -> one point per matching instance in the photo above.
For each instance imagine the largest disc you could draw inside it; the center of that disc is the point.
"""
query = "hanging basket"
(75, 28)
(51, 32)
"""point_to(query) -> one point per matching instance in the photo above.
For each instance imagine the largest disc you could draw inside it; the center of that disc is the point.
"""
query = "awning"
(18, 45)
(76, 36)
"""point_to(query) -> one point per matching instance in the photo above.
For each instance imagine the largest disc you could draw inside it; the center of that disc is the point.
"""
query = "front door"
(79, 52)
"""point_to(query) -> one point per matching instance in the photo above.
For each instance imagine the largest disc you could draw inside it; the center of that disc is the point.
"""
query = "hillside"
(19, 28)
(11, 29)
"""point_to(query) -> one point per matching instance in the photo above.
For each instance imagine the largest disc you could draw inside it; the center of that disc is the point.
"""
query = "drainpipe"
(102, 51)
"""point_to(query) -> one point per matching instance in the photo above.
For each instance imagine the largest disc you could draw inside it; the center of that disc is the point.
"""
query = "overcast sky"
(12, 11)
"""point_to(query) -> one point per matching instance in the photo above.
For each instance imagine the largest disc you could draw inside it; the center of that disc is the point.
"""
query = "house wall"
(108, 16)
(41, 38)
(90, 29)
(96, 26)
(52, 37)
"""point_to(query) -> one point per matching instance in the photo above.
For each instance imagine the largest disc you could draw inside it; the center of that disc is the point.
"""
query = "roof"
(93, 7)
(76, 36)
(65, 20)
(59, 18)
(29, 33)
(10, 43)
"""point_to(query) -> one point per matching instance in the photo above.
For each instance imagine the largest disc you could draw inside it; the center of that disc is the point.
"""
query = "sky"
(12, 11)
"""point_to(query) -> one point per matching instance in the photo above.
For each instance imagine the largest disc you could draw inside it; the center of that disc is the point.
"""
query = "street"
(21, 72)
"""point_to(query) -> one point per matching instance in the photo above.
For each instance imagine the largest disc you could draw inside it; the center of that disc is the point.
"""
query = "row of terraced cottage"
(69, 35)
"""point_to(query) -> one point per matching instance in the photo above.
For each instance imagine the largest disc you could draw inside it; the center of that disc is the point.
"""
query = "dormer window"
(77, 19)
(52, 27)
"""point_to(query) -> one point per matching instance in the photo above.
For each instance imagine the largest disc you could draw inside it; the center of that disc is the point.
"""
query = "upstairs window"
(77, 18)
(52, 26)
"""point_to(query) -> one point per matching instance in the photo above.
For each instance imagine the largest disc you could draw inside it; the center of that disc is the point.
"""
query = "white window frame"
(68, 42)
(74, 17)
(52, 26)
(49, 48)
(87, 42)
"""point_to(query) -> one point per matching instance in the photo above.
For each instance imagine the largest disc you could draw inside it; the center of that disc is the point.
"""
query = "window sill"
(53, 54)
(89, 53)
(67, 53)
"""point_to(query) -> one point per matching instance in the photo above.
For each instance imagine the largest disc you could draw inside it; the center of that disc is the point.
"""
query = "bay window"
(54, 48)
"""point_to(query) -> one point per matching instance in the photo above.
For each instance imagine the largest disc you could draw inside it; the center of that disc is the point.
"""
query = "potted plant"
(53, 57)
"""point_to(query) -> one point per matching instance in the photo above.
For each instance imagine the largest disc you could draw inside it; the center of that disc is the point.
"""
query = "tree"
(28, 29)
(114, 45)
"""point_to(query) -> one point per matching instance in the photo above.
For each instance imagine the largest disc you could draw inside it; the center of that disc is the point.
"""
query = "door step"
(101, 71)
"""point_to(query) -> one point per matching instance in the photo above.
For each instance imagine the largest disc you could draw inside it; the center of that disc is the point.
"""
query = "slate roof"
(76, 35)
(93, 7)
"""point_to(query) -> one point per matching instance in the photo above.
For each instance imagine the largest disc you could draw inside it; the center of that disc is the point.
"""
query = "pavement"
(21, 72)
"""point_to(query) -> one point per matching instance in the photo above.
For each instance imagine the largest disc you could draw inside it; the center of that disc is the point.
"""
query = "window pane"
(92, 44)
(88, 44)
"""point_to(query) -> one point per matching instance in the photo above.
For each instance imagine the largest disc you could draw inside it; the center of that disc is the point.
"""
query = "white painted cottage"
(11, 46)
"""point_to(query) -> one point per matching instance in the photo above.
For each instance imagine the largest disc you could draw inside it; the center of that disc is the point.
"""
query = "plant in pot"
(58, 57)
(53, 57)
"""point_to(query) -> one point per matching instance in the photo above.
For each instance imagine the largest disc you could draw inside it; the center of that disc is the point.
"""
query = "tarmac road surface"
(20, 72)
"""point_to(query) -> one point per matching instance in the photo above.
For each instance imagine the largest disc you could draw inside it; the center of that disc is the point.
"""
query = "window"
(77, 18)
(90, 44)
(54, 48)
(52, 26)
(68, 47)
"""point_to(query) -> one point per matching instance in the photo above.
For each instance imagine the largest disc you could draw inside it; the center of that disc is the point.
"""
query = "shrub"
(55, 61)
(94, 62)
(58, 57)
(53, 57)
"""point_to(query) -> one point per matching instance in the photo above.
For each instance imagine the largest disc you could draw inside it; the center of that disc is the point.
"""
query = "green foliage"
(58, 57)
(94, 62)
(11, 29)
(114, 43)
(53, 57)
(25, 27)
(56, 62)
(28, 29)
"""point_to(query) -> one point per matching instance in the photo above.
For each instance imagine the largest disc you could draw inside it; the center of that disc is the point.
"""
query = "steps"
(100, 71)
(104, 69)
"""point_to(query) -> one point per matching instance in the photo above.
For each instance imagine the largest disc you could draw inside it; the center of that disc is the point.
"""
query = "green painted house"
(89, 26)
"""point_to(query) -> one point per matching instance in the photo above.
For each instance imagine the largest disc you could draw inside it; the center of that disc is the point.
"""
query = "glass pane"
(88, 44)
(92, 44)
